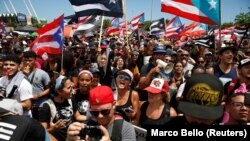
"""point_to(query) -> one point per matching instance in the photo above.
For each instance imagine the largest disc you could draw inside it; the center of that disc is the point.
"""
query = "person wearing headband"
(57, 113)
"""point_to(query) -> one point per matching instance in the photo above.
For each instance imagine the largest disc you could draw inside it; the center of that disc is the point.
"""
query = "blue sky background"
(50, 9)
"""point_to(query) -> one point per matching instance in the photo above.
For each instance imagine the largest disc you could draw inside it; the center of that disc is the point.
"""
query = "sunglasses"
(103, 112)
(185, 55)
(200, 62)
(121, 76)
(159, 53)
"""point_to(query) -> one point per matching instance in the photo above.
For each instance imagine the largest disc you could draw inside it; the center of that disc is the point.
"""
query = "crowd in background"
(149, 77)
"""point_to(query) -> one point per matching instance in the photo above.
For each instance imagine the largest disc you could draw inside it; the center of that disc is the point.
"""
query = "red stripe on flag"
(194, 17)
(46, 38)
(47, 49)
(50, 26)
(188, 2)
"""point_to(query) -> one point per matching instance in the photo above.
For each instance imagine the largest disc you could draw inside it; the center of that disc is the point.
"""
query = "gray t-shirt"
(39, 79)
(128, 131)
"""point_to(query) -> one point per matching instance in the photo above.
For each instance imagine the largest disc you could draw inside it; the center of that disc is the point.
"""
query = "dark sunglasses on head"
(103, 112)
(121, 76)
(159, 53)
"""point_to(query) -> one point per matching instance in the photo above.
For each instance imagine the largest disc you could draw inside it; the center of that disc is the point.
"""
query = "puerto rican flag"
(50, 39)
(137, 21)
(204, 11)
(199, 30)
(114, 28)
(173, 27)
(111, 8)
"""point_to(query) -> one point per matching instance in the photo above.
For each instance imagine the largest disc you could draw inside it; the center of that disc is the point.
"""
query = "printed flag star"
(97, 18)
(212, 4)
(112, 1)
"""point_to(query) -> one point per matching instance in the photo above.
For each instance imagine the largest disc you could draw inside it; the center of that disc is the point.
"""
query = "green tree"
(147, 25)
(228, 24)
(106, 23)
(243, 18)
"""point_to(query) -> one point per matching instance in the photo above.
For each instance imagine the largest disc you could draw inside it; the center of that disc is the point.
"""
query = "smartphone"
(128, 110)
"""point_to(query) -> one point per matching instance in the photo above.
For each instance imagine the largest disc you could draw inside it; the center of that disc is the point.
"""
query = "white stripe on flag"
(184, 7)
(90, 7)
(50, 32)
(50, 44)
(85, 26)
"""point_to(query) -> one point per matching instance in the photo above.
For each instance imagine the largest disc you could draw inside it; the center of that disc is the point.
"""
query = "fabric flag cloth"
(204, 11)
(50, 39)
(198, 31)
(111, 8)
(207, 41)
(157, 27)
(173, 27)
(114, 28)
(137, 21)
(240, 31)
(91, 25)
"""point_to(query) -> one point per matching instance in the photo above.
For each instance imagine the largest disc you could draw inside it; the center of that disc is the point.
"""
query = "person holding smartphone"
(102, 109)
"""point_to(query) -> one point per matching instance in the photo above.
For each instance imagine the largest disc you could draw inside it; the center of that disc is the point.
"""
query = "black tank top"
(119, 108)
(146, 121)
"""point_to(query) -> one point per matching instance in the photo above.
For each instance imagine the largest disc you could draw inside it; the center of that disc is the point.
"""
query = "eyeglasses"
(121, 76)
(103, 112)
(239, 105)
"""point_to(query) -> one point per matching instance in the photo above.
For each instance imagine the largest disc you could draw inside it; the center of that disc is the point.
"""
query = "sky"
(50, 9)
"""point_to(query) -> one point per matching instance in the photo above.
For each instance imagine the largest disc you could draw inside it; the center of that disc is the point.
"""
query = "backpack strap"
(117, 130)
(52, 107)
(167, 109)
(12, 91)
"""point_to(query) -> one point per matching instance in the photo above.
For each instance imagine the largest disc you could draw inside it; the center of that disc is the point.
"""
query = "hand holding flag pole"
(100, 36)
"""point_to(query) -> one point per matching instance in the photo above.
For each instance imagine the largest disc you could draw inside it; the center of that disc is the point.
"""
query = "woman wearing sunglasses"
(127, 99)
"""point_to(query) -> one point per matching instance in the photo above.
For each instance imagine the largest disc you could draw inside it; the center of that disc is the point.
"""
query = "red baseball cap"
(157, 86)
(101, 95)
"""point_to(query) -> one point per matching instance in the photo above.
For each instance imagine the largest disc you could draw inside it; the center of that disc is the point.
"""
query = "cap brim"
(202, 112)
(152, 90)
(103, 46)
(160, 51)
(227, 48)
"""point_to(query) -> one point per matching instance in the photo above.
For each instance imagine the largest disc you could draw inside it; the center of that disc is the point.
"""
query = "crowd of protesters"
(121, 78)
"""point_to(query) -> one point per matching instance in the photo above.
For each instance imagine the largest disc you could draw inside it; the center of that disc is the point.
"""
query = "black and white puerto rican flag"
(111, 8)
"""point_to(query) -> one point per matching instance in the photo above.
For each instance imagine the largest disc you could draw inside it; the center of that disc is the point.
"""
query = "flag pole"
(151, 13)
(125, 17)
(220, 43)
(100, 36)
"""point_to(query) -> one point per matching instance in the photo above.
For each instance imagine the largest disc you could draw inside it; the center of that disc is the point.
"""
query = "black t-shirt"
(80, 102)
(63, 111)
(146, 121)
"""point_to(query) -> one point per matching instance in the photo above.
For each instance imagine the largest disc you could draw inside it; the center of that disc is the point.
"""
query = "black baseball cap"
(202, 97)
